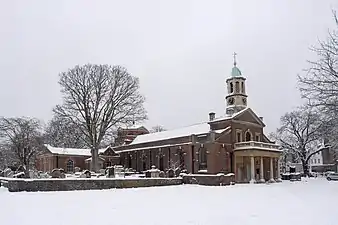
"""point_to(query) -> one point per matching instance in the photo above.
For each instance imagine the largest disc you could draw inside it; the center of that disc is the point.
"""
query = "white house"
(316, 160)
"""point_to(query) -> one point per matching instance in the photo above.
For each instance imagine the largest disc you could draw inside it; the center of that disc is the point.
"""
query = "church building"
(232, 143)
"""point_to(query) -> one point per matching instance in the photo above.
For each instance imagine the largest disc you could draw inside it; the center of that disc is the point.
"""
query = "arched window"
(243, 90)
(129, 160)
(161, 162)
(181, 158)
(144, 163)
(231, 88)
(248, 136)
(237, 86)
(203, 162)
(70, 166)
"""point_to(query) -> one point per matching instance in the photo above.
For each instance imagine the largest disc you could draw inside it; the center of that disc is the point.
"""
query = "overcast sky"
(181, 51)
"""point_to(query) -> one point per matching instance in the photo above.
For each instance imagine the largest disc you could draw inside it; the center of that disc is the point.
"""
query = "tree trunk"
(95, 160)
(305, 168)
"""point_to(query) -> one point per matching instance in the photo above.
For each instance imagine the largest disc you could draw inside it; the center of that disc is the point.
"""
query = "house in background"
(234, 143)
(125, 135)
(324, 161)
(69, 158)
(316, 162)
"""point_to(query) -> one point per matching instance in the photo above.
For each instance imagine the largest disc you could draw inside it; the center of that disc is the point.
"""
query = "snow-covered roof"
(71, 151)
(197, 129)
(181, 132)
(90, 159)
(200, 128)
(133, 126)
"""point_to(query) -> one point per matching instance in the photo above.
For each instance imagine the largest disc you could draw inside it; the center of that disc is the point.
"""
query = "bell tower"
(236, 99)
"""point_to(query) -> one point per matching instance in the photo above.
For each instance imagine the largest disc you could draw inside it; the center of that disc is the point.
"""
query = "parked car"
(332, 176)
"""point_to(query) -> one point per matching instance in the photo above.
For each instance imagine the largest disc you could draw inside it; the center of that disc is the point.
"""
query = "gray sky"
(181, 50)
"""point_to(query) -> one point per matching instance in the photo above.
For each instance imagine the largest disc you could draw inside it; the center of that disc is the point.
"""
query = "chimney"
(211, 116)
(261, 118)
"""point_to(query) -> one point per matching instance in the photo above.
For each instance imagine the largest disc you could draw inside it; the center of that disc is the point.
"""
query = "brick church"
(232, 143)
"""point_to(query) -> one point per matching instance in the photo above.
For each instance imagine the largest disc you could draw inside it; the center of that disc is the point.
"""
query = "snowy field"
(312, 202)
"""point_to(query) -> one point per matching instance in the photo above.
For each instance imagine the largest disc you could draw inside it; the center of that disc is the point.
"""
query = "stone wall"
(33, 185)
(209, 179)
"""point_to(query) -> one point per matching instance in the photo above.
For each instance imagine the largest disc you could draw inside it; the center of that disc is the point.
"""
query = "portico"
(256, 162)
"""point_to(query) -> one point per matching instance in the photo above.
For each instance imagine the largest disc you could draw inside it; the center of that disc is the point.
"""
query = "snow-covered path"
(312, 203)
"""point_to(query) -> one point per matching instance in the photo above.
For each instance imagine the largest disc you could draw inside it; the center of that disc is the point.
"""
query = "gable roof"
(249, 110)
(133, 127)
(72, 151)
(238, 114)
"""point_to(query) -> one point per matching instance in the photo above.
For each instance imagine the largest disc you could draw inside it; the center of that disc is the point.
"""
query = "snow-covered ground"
(313, 202)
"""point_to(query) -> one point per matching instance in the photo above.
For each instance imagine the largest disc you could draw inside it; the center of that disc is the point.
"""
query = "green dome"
(236, 72)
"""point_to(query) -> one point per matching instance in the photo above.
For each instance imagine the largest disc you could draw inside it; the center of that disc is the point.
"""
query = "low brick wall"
(209, 179)
(33, 185)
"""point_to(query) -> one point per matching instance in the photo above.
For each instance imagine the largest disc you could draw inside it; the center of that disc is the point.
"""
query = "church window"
(144, 164)
(161, 162)
(203, 159)
(231, 88)
(70, 166)
(237, 86)
(150, 158)
(257, 137)
(243, 91)
(248, 136)
(129, 160)
(239, 136)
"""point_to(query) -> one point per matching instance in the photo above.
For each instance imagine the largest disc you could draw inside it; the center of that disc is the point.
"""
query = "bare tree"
(320, 82)
(301, 134)
(62, 132)
(21, 136)
(157, 128)
(98, 98)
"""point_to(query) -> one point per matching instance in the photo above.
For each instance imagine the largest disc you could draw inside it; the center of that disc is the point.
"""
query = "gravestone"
(7, 171)
(86, 174)
(10, 174)
(102, 171)
(170, 173)
(110, 172)
(177, 172)
(119, 171)
(42, 175)
(161, 174)
(58, 173)
(154, 172)
(21, 168)
(147, 174)
(19, 175)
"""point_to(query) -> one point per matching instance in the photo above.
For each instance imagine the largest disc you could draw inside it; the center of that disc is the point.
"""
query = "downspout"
(57, 161)
(232, 152)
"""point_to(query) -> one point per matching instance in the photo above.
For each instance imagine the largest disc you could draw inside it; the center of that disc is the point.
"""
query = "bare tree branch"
(62, 132)
(320, 82)
(157, 128)
(98, 98)
(301, 132)
(22, 137)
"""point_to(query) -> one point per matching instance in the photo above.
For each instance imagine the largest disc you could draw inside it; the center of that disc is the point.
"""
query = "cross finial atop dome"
(235, 71)
(235, 63)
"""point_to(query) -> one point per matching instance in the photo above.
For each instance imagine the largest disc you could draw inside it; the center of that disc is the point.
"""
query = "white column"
(261, 172)
(279, 179)
(271, 170)
(252, 170)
